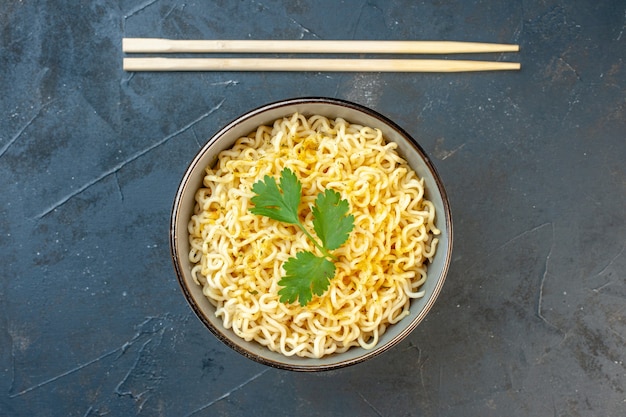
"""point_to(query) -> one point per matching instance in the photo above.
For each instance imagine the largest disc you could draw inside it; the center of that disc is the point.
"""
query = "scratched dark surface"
(532, 319)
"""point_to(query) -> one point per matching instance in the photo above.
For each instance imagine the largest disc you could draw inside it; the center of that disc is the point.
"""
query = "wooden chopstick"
(156, 45)
(315, 65)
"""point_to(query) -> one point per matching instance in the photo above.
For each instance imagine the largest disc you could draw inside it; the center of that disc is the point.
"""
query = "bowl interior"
(331, 108)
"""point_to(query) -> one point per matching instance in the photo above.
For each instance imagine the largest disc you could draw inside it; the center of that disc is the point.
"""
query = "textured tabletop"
(531, 320)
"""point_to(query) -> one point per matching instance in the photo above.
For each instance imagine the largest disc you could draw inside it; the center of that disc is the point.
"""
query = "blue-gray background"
(531, 320)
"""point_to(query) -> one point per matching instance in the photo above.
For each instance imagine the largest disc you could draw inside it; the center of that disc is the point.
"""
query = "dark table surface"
(531, 320)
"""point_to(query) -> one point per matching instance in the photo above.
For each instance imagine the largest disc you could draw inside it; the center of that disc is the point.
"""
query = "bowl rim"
(367, 354)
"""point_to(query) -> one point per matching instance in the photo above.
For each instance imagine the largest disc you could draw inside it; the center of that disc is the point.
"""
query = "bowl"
(225, 138)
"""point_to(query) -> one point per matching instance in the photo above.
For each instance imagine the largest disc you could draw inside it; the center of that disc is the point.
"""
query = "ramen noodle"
(238, 256)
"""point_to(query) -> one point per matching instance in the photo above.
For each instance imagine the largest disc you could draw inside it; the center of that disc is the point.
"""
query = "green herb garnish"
(306, 273)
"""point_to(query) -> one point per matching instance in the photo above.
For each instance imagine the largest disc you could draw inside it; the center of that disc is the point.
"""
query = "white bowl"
(332, 108)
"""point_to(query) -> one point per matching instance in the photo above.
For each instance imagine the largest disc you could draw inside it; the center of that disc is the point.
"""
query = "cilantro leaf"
(331, 221)
(306, 274)
(278, 204)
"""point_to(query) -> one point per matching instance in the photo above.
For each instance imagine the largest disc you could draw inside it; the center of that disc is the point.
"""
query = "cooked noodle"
(238, 256)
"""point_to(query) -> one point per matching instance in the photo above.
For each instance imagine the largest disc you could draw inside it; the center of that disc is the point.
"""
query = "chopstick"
(157, 45)
(170, 46)
(315, 65)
